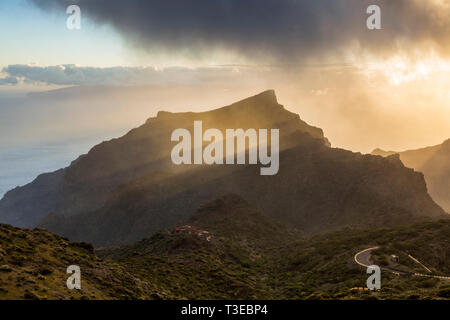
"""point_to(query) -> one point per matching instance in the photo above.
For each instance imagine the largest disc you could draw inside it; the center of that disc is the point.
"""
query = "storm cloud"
(282, 30)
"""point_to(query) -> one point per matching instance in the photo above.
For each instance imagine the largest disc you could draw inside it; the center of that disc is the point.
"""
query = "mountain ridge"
(434, 162)
(87, 182)
(127, 188)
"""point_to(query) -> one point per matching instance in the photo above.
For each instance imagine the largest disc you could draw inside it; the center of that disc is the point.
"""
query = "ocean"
(21, 164)
(44, 135)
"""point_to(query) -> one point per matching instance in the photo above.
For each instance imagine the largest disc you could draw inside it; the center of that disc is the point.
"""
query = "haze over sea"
(40, 136)
(20, 165)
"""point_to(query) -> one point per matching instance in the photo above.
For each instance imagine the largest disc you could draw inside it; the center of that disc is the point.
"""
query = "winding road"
(363, 259)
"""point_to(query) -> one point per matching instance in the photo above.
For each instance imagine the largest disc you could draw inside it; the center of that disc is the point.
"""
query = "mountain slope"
(434, 162)
(228, 262)
(126, 189)
(87, 183)
(437, 174)
(411, 158)
(317, 190)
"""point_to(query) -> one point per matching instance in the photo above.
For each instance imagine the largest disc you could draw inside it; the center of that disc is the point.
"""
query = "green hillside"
(227, 250)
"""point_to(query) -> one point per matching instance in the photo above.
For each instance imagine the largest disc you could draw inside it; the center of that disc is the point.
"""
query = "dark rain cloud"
(285, 30)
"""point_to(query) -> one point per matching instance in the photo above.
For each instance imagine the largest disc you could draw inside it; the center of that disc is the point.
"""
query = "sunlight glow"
(399, 70)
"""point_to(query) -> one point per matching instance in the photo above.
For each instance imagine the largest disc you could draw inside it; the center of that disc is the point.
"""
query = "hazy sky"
(384, 88)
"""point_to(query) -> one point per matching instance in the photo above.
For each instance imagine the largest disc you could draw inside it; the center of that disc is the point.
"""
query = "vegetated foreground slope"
(33, 265)
(227, 250)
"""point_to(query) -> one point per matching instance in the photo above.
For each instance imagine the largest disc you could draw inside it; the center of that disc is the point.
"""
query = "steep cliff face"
(88, 182)
(434, 162)
(437, 175)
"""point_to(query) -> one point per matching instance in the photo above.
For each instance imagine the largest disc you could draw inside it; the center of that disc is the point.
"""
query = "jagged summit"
(446, 143)
(263, 107)
(259, 111)
(266, 97)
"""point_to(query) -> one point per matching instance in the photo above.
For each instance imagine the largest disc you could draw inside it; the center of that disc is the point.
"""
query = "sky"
(366, 88)
(33, 36)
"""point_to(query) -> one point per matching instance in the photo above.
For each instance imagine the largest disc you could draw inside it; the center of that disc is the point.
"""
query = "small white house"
(394, 258)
